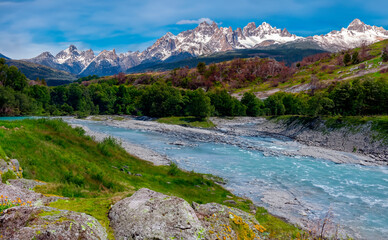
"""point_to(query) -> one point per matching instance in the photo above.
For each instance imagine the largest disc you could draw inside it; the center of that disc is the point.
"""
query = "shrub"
(107, 144)
(173, 169)
(8, 175)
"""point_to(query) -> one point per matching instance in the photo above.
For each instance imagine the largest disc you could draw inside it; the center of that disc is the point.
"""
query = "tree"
(275, 105)
(222, 102)
(355, 59)
(347, 59)
(252, 103)
(201, 67)
(160, 100)
(199, 104)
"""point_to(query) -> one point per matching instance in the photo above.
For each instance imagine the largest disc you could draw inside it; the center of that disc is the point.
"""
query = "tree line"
(160, 99)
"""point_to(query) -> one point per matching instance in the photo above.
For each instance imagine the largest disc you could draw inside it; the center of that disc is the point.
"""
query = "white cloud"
(183, 22)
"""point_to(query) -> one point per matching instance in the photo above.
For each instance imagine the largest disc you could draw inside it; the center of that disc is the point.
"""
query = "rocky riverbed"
(314, 143)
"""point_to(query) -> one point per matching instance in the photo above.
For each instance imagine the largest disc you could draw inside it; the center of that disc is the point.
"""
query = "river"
(299, 188)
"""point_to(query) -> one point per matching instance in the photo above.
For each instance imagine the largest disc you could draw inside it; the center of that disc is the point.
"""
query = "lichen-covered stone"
(48, 223)
(222, 222)
(15, 193)
(152, 215)
(25, 183)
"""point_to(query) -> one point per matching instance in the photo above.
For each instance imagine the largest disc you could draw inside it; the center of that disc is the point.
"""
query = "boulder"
(222, 222)
(25, 183)
(15, 193)
(152, 215)
(48, 223)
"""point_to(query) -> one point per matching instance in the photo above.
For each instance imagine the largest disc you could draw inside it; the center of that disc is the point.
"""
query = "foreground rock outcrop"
(48, 223)
(152, 215)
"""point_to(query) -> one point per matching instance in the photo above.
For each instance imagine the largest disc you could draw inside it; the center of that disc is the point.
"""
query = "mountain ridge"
(205, 39)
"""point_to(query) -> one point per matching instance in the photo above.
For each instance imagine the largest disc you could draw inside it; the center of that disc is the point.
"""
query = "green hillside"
(33, 71)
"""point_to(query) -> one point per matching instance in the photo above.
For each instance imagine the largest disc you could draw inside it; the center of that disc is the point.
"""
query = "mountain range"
(205, 40)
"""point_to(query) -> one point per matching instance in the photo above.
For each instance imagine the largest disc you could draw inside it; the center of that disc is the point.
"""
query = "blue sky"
(29, 27)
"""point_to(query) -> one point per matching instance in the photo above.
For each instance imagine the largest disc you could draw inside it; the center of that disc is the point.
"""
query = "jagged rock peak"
(358, 25)
(265, 26)
(45, 55)
(72, 48)
(168, 35)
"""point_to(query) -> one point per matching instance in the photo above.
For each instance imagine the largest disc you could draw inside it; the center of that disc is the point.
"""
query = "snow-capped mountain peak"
(206, 38)
(357, 25)
(354, 35)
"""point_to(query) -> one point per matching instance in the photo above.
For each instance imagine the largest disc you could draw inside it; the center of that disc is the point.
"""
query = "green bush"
(8, 175)
(173, 169)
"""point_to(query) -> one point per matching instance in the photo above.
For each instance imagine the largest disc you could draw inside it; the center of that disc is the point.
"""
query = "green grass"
(2, 154)
(187, 121)
(90, 173)
(278, 228)
(96, 207)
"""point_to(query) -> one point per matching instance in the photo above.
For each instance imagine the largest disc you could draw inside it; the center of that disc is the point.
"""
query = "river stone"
(152, 215)
(48, 223)
(222, 222)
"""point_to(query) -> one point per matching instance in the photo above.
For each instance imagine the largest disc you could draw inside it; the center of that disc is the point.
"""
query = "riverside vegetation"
(96, 175)
(207, 90)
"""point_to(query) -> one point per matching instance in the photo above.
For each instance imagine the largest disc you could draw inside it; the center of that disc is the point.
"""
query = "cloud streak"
(184, 22)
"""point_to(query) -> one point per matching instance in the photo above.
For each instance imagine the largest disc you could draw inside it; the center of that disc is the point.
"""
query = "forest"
(201, 92)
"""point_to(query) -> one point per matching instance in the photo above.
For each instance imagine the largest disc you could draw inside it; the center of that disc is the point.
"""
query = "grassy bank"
(95, 175)
(188, 121)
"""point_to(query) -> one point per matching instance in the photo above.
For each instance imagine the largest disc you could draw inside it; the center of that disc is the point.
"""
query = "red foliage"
(314, 58)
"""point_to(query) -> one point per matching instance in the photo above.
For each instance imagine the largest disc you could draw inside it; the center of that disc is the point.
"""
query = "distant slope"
(2, 56)
(289, 53)
(33, 71)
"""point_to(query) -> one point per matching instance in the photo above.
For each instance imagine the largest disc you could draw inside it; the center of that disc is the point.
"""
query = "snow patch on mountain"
(203, 40)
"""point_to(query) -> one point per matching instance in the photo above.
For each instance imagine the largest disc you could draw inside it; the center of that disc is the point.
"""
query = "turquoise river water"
(357, 196)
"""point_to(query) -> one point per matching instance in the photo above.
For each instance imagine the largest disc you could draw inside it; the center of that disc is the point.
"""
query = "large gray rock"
(152, 215)
(48, 223)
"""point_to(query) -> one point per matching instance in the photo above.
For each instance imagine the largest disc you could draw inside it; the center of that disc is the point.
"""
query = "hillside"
(2, 56)
(33, 71)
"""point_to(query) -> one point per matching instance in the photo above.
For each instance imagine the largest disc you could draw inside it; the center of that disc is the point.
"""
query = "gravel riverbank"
(229, 131)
